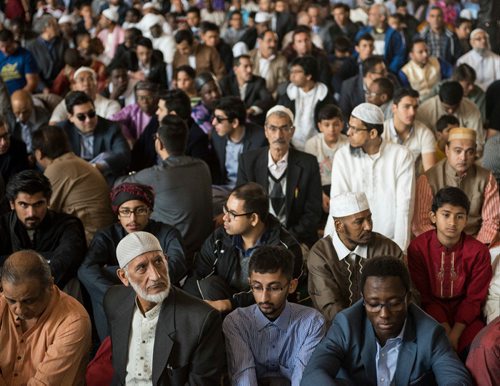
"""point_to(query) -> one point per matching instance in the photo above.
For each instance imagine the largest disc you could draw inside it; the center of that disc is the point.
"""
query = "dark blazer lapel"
(233, 84)
(121, 328)
(407, 354)
(99, 134)
(164, 336)
(261, 168)
(369, 352)
(294, 171)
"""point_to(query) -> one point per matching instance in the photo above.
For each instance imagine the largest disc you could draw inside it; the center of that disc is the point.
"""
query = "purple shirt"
(132, 120)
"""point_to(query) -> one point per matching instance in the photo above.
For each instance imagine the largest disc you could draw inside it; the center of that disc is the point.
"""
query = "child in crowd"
(443, 126)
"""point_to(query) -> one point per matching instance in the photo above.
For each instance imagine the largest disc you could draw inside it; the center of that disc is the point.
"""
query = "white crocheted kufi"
(369, 113)
(136, 244)
(348, 203)
(280, 109)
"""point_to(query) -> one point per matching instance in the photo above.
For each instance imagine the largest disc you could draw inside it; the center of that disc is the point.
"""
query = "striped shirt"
(259, 348)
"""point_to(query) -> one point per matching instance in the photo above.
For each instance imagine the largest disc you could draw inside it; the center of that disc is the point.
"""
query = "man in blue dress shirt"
(270, 342)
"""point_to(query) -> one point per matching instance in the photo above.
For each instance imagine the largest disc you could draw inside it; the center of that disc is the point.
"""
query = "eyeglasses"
(372, 94)
(82, 116)
(140, 211)
(396, 305)
(220, 119)
(356, 129)
(273, 289)
(275, 129)
(231, 214)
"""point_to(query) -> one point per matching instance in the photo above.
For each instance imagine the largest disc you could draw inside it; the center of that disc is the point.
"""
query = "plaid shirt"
(437, 44)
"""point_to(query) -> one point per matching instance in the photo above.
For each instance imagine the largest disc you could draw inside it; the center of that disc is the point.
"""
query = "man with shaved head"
(45, 334)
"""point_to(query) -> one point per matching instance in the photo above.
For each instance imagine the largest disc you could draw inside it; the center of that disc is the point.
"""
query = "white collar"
(343, 251)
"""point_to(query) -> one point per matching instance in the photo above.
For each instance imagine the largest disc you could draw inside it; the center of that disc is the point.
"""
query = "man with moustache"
(336, 261)
(57, 237)
(159, 334)
(133, 205)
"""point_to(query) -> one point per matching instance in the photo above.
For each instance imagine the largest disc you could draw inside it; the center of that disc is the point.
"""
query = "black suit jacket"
(108, 138)
(351, 94)
(254, 138)
(303, 189)
(188, 347)
(256, 93)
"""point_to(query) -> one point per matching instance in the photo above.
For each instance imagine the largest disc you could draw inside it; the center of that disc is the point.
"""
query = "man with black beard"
(153, 322)
(335, 262)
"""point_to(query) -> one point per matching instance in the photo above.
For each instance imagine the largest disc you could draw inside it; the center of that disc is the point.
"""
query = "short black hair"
(73, 58)
(309, 64)
(301, 29)
(144, 42)
(384, 266)
(370, 63)
(271, 259)
(236, 60)
(233, 107)
(52, 141)
(178, 101)
(30, 182)
(329, 111)
(451, 93)
(450, 195)
(184, 35)
(206, 26)
(462, 20)
(445, 120)
(386, 87)
(190, 71)
(173, 133)
(365, 36)
(341, 5)
(404, 92)
(255, 199)
(194, 10)
(415, 41)
(342, 44)
(464, 72)
(75, 98)
(6, 35)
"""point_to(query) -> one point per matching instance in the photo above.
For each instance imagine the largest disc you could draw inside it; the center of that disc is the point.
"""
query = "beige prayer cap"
(136, 244)
(280, 109)
(85, 69)
(462, 133)
(348, 203)
(369, 113)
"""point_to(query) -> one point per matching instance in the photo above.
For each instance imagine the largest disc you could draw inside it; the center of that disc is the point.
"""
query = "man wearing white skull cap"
(160, 335)
(384, 171)
(336, 261)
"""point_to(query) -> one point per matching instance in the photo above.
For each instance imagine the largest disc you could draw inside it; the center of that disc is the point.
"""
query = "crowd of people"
(261, 192)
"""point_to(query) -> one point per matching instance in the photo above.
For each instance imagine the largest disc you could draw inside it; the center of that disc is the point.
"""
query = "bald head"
(26, 266)
(22, 105)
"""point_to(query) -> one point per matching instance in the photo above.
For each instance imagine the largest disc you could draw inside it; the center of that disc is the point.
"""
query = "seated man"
(120, 87)
(183, 343)
(182, 183)
(220, 271)
(272, 339)
(250, 88)
(451, 270)
(460, 170)
(85, 80)
(145, 64)
(45, 333)
(13, 155)
(58, 237)
(93, 138)
(384, 338)
(133, 204)
(135, 117)
(78, 188)
(336, 261)
(290, 177)
(233, 136)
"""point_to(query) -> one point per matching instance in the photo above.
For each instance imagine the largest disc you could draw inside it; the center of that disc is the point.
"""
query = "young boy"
(451, 270)
(443, 126)
(324, 145)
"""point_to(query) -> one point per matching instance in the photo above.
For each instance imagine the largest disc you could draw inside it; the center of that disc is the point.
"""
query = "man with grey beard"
(159, 334)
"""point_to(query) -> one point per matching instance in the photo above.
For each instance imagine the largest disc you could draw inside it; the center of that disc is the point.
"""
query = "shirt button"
(142, 357)
(18, 358)
(381, 379)
(15, 374)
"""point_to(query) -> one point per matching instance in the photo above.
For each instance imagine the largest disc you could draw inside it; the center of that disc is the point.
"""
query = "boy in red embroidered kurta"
(451, 270)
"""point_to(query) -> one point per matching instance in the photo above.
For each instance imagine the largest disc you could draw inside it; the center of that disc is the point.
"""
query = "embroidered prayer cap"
(110, 14)
(85, 69)
(348, 203)
(66, 19)
(263, 17)
(136, 244)
(151, 5)
(280, 109)
(129, 191)
(369, 113)
(462, 133)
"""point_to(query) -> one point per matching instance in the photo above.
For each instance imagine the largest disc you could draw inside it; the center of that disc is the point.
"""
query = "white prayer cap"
(369, 113)
(476, 31)
(348, 203)
(280, 109)
(466, 14)
(66, 19)
(149, 20)
(111, 14)
(136, 244)
(263, 17)
(84, 69)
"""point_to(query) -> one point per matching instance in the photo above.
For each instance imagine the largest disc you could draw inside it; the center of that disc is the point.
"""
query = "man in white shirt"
(404, 129)
(482, 59)
(384, 171)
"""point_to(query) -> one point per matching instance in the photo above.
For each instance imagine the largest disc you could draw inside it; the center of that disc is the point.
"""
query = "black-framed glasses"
(220, 119)
(233, 215)
(82, 116)
(396, 305)
(140, 211)
(275, 129)
(356, 129)
(273, 289)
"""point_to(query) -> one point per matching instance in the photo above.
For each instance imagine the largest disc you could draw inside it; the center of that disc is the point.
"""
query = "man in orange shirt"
(45, 334)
